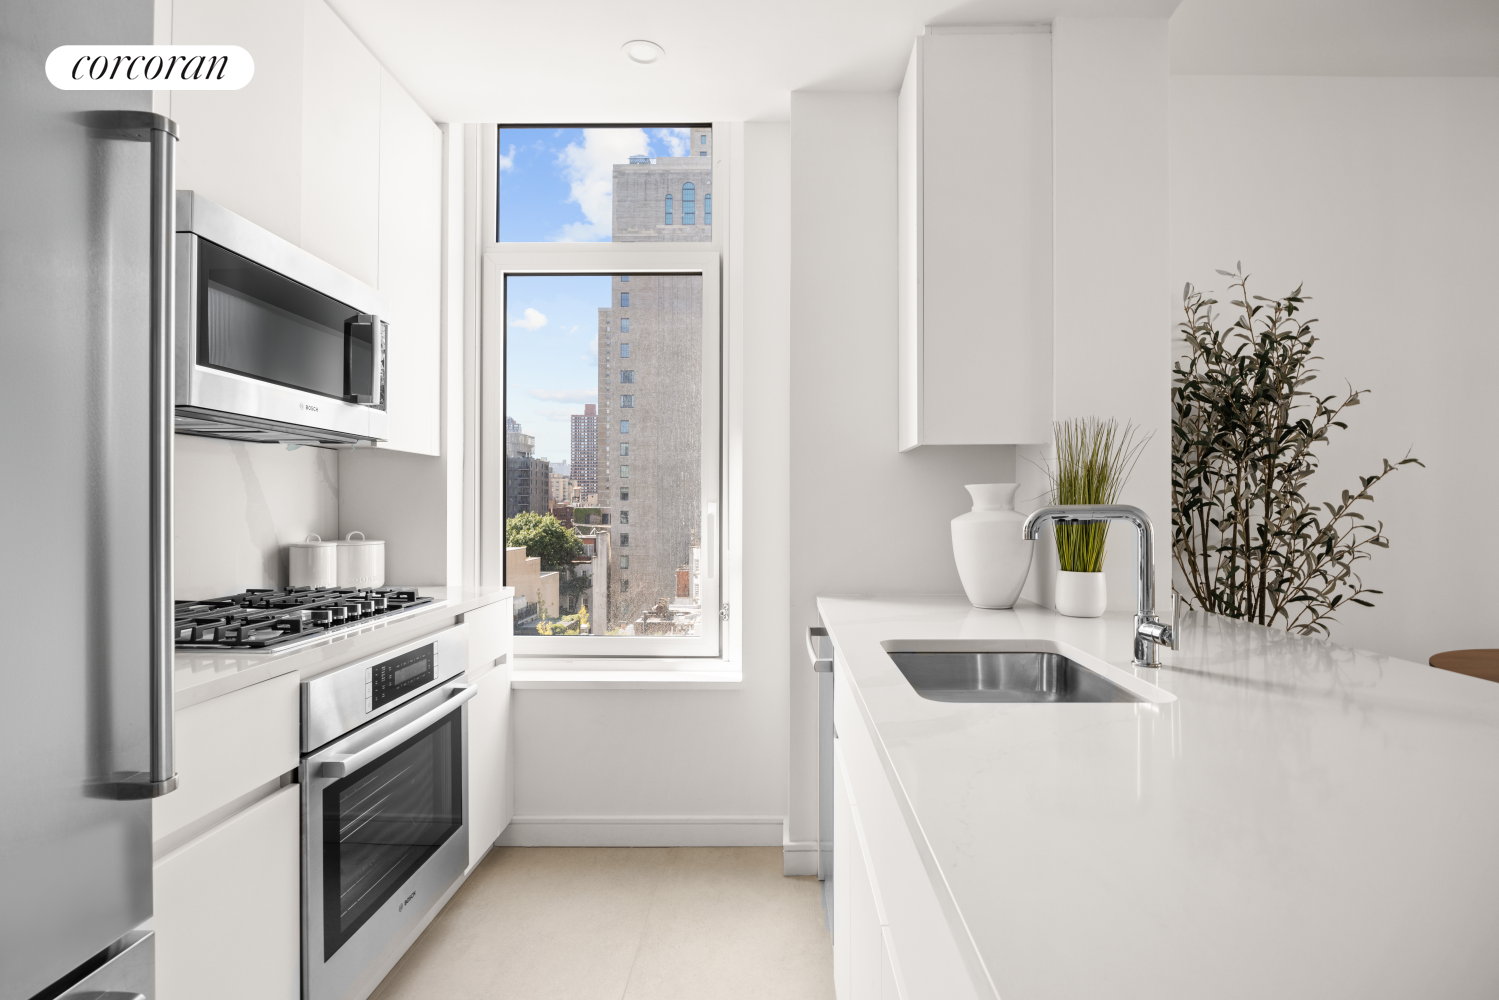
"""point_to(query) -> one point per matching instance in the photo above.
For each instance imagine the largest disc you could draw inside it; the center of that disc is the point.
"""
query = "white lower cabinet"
(863, 962)
(228, 908)
(490, 794)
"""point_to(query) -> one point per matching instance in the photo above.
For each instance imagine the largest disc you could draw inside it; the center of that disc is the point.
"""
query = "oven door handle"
(342, 765)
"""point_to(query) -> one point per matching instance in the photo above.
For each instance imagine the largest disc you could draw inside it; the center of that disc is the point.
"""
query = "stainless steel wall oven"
(384, 803)
(272, 343)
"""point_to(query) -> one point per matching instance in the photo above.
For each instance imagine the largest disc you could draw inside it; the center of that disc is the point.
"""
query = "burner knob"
(321, 616)
(340, 613)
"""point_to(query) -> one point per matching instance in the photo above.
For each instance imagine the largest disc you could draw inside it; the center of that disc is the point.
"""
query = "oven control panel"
(385, 682)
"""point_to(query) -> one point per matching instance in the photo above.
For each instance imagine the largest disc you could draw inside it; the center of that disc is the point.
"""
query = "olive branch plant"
(1245, 436)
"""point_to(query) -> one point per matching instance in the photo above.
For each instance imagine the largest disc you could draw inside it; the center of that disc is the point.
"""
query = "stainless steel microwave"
(272, 343)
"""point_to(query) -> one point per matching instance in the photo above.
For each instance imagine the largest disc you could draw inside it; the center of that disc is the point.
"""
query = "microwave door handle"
(342, 765)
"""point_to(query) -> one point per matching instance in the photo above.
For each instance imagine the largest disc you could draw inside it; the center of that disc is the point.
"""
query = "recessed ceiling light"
(642, 51)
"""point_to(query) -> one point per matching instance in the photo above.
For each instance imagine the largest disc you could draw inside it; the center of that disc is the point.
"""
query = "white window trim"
(639, 668)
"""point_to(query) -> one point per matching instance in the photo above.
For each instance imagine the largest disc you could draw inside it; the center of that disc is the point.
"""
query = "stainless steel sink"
(1005, 676)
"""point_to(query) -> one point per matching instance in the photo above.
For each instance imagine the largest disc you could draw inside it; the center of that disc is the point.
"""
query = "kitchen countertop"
(202, 675)
(1304, 820)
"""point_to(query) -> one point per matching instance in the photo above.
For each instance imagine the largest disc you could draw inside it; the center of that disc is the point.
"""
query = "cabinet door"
(490, 789)
(411, 267)
(228, 908)
(490, 637)
(228, 747)
(858, 935)
(340, 145)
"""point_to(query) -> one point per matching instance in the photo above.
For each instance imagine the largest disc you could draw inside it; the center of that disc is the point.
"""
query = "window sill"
(533, 674)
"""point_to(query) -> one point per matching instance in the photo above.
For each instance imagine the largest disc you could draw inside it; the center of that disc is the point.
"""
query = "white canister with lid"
(361, 562)
(312, 563)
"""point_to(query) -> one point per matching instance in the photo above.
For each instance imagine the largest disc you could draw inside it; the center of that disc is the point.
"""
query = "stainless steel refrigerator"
(85, 508)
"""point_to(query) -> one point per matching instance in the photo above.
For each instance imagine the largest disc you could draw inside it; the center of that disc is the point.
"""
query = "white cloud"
(589, 170)
(565, 395)
(507, 161)
(532, 320)
(677, 140)
(557, 416)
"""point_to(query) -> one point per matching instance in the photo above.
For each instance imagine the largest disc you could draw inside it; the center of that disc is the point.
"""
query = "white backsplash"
(239, 505)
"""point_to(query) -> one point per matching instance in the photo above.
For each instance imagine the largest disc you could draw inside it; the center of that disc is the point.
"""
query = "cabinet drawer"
(228, 747)
(490, 638)
(228, 908)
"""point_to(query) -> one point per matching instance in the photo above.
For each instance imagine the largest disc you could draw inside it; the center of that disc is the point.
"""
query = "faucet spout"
(1148, 630)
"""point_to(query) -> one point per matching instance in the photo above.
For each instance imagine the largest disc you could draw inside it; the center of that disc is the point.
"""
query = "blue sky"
(551, 354)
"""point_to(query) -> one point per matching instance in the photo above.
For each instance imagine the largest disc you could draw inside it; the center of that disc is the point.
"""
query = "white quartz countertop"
(1304, 820)
(202, 675)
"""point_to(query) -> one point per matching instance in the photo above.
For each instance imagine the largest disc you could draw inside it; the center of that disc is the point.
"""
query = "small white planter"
(1081, 595)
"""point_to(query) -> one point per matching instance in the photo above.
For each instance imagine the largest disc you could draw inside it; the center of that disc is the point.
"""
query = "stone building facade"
(527, 478)
(584, 461)
(650, 385)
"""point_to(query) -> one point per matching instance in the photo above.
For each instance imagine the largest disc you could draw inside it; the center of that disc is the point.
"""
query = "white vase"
(993, 559)
(1081, 595)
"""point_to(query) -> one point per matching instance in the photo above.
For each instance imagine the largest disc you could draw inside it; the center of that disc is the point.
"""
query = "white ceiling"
(1336, 37)
(549, 61)
(545, 61)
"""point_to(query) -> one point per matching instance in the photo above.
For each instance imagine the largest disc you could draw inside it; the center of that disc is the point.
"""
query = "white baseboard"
(799, 857)
(644, 831)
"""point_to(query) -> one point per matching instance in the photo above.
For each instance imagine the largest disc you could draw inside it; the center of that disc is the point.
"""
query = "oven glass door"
(381, 822)
(255, 322)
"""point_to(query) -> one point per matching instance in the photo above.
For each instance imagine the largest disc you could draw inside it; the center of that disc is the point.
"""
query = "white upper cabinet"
(325, 149)
(410, 241)
(341, 119)
(975, 224)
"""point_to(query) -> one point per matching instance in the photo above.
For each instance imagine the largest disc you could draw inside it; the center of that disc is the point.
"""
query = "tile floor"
(622, 923)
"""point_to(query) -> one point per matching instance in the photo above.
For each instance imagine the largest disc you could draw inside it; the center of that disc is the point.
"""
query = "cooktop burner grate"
(267, 619)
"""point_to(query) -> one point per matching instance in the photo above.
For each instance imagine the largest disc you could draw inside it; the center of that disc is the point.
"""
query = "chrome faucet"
(1150, 631)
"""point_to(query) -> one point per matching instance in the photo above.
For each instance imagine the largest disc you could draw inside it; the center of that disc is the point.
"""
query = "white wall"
(866, 518)
(1113, 351)
(1379, 194)
(697, 767)
(239, 505)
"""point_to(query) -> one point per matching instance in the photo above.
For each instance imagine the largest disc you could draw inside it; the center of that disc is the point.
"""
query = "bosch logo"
(405, 901)
(308, 406)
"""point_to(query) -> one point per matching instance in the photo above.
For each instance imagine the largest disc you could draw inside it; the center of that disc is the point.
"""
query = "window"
(708, 209)
(702, 152)
(668, 210)
(594, 185)
(689, 204)
(551, 332)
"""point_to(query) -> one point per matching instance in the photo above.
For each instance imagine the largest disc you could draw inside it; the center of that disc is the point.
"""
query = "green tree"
(544, 537)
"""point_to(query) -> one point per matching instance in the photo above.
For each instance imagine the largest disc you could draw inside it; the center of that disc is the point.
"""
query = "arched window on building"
(668, 210)
(689, 204)
(708, 209)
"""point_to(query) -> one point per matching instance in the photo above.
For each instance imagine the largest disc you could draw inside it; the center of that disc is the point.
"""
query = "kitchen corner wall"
(1112, 328)
(867, 518)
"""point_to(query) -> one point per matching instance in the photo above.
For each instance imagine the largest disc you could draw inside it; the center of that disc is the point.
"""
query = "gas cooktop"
(280, 619)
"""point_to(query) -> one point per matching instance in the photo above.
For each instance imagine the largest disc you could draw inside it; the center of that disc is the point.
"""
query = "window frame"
(716, 647)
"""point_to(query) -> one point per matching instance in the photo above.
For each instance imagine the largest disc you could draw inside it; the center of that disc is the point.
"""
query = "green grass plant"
(1094, 460)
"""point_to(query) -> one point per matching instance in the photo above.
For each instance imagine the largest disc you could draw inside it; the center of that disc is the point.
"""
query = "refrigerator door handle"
(161, 133)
